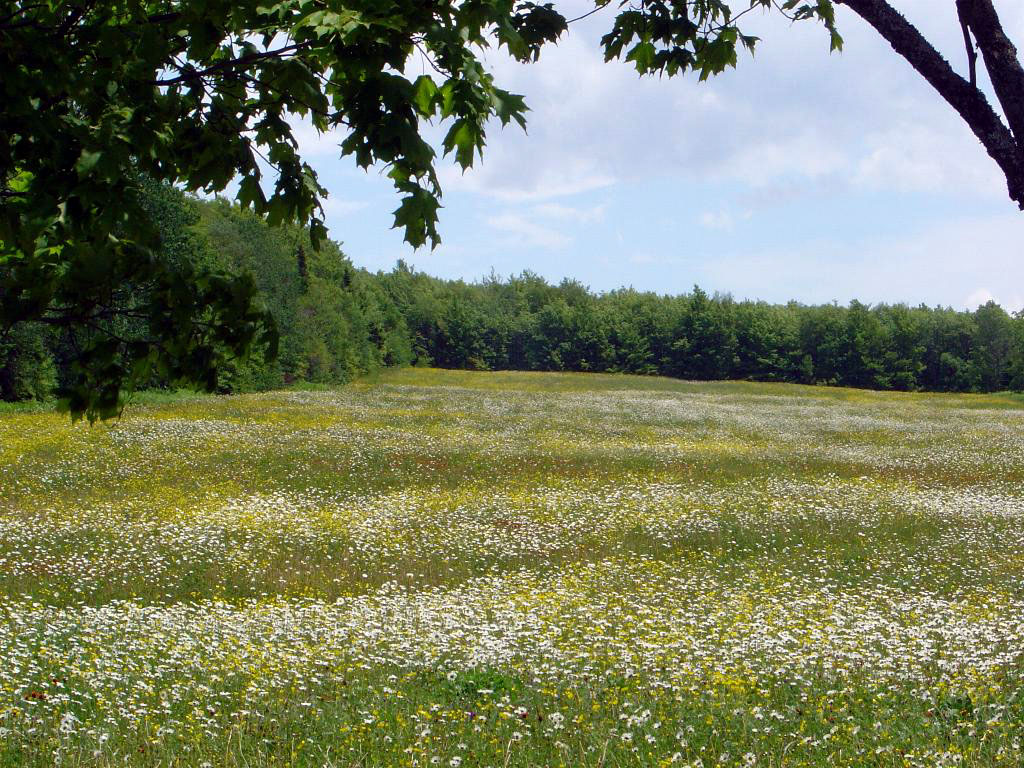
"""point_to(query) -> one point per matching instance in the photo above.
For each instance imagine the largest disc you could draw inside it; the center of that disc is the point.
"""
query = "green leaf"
(417, 214)
(464, 138)
(643, 56)
(250, 193)
(87, 162)
(425, 93)
(447, 93)
(837, 40)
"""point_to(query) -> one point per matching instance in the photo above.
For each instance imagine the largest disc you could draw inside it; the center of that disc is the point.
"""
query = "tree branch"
(969, 102)
(241, 61)
(73, 18)
(1000, 55)
(972, 53)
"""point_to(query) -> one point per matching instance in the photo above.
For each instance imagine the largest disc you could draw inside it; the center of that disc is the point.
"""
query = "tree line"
(336, 321)
(199, 94)
(525, 323)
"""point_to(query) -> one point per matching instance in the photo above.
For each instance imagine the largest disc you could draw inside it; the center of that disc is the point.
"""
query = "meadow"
(479, 569)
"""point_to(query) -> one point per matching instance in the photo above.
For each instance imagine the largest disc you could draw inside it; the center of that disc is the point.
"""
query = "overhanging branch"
(972, 52)
(968, 101)
(1000, 56)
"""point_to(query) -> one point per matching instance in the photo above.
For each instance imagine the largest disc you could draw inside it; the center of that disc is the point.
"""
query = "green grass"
(516, 569)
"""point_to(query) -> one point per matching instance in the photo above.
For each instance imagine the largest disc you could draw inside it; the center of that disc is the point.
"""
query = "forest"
(336, 322)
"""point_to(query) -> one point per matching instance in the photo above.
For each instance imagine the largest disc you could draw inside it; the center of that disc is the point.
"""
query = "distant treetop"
(98, 94)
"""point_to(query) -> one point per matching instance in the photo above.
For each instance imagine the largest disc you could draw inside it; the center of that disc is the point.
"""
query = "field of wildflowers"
(462, 569)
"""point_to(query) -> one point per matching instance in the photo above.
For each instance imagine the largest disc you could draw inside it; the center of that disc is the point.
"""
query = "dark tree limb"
(233, 64)
(1000, 56)
(968, 101)
(972, 52)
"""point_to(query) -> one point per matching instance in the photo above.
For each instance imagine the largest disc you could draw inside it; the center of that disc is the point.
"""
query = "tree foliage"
(100, 95)
(525, 323)
(335, 322)
(200, 93)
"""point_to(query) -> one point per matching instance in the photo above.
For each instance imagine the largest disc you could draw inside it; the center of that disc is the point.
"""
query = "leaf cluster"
(704, 36)
(204, 94)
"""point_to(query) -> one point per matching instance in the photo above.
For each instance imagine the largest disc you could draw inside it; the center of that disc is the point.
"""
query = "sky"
(799, 175)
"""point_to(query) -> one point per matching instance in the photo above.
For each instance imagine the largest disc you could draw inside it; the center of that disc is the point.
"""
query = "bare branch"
(968, 101)
(972, 53)
(1000, 55)
(229, 64)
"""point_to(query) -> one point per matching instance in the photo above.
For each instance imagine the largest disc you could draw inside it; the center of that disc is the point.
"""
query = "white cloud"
(934, 263)
(575, 214)
(717, 220)
(794, 117)
(339, 208)
(1011, 303)
(979, 297)
(916, 158)
(504, 176)
(527, 232)
(630, 180)
(314, 145)
(724, 220)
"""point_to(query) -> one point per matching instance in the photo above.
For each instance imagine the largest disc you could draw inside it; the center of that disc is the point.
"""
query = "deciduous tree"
(98, 94)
